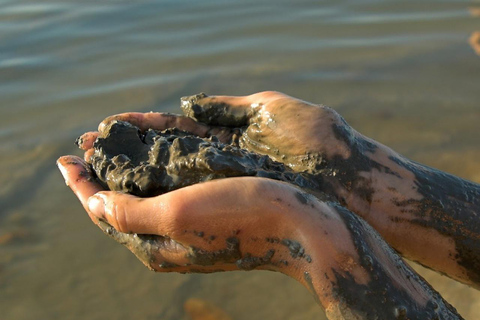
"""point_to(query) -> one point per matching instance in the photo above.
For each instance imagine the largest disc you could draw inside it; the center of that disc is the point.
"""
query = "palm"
(203, 228)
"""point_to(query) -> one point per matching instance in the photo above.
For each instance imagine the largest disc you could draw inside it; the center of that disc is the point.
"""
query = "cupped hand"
(302, 135)
(292, 131)
(213, 226)
(249, 223)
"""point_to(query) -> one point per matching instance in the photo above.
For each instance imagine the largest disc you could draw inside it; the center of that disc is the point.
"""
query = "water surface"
(401, 72)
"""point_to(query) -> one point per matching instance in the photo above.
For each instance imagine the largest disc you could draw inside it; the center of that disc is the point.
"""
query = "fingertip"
(63, 162)
(191, 107)
(86, 140)
(88, 155)
(105, 122)
(108, 120)
(217, 110)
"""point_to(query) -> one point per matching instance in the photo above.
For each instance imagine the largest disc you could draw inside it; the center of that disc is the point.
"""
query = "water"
(401, 72)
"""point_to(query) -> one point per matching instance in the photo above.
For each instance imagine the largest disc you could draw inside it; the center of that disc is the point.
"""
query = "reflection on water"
(401, 72)
(475, 41)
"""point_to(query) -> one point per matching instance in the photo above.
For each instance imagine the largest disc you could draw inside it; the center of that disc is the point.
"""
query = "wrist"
(327, 247)
(354, 274)
(425, 214)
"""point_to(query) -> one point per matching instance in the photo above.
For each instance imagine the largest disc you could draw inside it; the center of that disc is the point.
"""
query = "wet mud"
(142, 245)
(151, 163)
(381, 298)
(230, 254)
(448, 205)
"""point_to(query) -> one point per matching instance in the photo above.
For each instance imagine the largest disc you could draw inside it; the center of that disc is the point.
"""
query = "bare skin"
(216, 226)
(394, 195)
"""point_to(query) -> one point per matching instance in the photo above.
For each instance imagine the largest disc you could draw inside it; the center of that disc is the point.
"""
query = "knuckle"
(269, 94)
(117, 214)
(177, 218)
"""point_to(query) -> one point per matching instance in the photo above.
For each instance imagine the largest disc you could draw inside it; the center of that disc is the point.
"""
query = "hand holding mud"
(301, 223)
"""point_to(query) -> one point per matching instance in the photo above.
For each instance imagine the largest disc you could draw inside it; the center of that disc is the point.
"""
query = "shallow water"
(401, 72)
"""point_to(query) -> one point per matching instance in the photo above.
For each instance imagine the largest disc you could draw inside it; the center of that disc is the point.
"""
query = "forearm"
(354, 274)
(427, 215)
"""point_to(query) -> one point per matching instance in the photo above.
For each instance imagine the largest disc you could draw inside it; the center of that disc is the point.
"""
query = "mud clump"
(150, 163)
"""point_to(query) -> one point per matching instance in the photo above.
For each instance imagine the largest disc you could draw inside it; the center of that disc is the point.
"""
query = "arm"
(427, 215)
(224, 225)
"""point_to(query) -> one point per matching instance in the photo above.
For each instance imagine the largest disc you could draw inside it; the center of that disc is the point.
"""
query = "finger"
(79, 178)
(226, 111)
(86, 140)
(218, 110)
(128, 213)
(162, 121)
(158, 121)
(221, 201)
(87, 156)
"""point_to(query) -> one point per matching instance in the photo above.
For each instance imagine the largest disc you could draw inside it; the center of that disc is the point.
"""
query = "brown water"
(401, 72)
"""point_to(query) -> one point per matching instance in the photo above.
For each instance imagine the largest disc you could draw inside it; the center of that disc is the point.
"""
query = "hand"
(289, 130)
(306, 137)
(218, 225)
(254, 223)
(407, 203)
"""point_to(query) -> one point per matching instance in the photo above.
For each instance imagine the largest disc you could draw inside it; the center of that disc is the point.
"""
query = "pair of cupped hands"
(201, 219)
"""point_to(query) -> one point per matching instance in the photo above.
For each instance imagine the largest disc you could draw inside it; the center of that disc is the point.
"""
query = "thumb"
(128, 213)
(218, 110)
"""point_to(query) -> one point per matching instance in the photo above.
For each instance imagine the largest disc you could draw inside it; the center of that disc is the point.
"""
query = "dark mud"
(249, 262)
(142, 245)
(151, 163)
(296, 249)
(448, 205)
(381, 298)
(217, 114)
(230, 254)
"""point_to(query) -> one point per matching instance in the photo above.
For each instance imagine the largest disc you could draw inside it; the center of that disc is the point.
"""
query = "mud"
(151, 163)
(217, 114)
(249, 262)
(143, 246)
(296, 249)
(449, 205)
(381, 298)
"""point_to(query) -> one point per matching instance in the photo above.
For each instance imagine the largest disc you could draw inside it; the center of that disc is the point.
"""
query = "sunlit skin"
(364, 176)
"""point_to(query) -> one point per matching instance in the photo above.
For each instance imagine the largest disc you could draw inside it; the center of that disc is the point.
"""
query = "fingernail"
(96, 206)
(63, 171)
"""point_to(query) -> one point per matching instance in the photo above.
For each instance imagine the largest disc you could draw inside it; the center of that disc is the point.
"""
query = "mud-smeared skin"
(249, 262)
(380, 298)
(142, 245)
(157, 162)
(328, 172)
(219, 115)
(296, 250)
(151, 163)
(449, 206)
(230, 254)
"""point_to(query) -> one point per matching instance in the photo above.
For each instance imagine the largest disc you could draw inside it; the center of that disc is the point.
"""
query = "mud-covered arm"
(363, 278)
(427, 215)
(251, 223)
